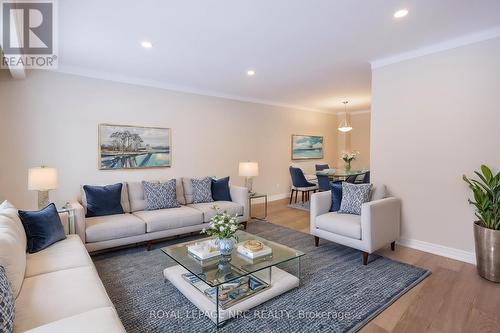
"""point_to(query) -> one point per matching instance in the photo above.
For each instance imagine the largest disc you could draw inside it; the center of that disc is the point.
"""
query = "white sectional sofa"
(57, 289)
(138, 225)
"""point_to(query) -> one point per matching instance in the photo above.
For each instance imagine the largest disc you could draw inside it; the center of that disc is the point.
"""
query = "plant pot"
(487, 252)
(225, 246)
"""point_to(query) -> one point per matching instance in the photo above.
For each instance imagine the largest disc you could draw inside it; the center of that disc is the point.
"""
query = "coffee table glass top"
(215, 272)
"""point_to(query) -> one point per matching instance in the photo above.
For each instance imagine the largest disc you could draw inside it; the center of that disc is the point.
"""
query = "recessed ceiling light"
(146, 44)
(250, 72)
(401, 13)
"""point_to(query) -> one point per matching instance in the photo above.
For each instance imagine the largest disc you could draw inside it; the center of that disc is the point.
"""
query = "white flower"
(222, 228)
(234, 228)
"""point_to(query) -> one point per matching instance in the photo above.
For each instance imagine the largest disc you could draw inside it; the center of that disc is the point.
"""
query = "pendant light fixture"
(345, 126)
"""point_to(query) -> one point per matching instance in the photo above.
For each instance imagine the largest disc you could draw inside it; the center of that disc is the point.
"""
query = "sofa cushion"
(187, 186)
(353, 196)
(7, 311)
(13, 251)
(101, 320)
(208, 208)
(8, 210)
(347, 225)
(43, 227)
(220, 189)
(171, 218)
(68, 253)
(53, 296)
(138, 201)
(202, 190)
(103, 228)
(103, 200)
(160, 195)
(124, 200)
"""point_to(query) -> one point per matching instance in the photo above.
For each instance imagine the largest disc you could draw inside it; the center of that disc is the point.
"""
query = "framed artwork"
(134, 147)
(307, 147)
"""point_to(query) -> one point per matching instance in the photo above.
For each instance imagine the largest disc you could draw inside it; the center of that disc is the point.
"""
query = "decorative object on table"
(103, 200)
(204, 250)
(248, 170)
(42, 179)
(7, 301)
(220, 189)
(160, 195)
(202, 190)
(345, 126)
(134, 147)
(348, 158)
(43, 228)
(486, 193)
(223, 227)
(353, 196)
(257, 196)
(254, 249)
(307, 147)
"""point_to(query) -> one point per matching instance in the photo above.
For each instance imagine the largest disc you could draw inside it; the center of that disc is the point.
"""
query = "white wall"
(435, 118)
(52, 119)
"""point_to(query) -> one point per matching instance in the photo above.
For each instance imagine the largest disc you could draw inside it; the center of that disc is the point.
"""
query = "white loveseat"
(377, 226)
(138, 225)
(56, 290)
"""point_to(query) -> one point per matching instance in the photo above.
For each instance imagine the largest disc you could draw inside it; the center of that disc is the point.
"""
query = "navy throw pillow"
(220, 189)
(336, 196)
(43, 228)
(103, 200)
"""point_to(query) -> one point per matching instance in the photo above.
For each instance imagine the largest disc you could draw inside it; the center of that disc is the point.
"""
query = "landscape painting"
(305, 147)
(133, 147)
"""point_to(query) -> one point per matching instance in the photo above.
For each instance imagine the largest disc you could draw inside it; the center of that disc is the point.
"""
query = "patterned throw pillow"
(160, 195)
(202, 190)
(353, 196)
(7, 304)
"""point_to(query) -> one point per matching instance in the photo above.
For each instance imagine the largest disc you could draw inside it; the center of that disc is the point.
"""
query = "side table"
(71, 217)
(257, 196)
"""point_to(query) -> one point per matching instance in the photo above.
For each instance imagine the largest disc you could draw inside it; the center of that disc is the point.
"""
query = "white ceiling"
(307, 53)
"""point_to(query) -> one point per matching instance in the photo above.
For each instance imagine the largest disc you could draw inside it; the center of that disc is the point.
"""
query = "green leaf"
(487, 173)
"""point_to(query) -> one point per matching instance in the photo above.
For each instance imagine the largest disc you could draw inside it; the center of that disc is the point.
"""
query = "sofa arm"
(321, 203)
(380, 222)
(239, 195)
(80, 225)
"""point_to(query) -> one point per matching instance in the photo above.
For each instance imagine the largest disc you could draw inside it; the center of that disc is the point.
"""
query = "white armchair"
(377, 226)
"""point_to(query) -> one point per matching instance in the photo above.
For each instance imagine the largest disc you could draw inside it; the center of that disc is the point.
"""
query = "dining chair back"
(323, 183)
(351, 179)
(321, 167)
(366, 178)
(298, 178)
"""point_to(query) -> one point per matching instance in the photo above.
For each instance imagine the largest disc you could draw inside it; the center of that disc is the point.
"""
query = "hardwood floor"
(453, 299)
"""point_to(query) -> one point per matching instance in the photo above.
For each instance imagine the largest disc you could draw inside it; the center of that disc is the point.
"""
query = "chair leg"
(393, 246)
(302, 196)
(291, 197)
(316, 241)
(365, 258)
(296, 193)
(149, 244)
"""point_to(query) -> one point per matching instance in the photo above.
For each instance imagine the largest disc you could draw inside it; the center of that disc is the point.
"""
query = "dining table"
(335, 174)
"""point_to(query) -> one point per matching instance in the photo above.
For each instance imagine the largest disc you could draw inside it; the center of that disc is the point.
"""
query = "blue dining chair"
(321, 167)
(323, 183)
(366, 178)
(300, 184)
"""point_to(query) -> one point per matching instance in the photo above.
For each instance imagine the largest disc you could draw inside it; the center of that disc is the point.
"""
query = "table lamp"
(42, 179)
(248, 170)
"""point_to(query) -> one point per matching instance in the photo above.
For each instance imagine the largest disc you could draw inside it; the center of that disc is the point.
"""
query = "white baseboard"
(440, 250)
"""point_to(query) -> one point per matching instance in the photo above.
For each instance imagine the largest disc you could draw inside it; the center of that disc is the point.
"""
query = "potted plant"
(348, 158)
(223, 227)
(486, 193)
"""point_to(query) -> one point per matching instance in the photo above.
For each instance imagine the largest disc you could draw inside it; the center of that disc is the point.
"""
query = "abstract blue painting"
(307, 147)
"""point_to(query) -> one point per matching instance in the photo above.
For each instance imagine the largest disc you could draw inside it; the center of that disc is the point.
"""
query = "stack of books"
(254, 249)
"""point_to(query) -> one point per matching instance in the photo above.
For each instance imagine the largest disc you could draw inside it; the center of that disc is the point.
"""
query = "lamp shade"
(42, 179)
(248, 169)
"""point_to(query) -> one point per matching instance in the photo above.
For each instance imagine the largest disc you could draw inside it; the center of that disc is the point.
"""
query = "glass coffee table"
(225, 287)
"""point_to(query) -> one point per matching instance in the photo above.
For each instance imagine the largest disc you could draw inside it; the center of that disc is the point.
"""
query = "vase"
(347, 165)
(225, 246)
(487, 243)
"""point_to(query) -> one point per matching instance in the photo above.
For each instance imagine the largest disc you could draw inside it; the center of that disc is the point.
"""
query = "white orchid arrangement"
(222, 225)
(348, 157)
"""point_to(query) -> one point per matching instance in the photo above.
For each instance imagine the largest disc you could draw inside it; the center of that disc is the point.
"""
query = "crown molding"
(80, 71)
(439, 47)
(353, 113)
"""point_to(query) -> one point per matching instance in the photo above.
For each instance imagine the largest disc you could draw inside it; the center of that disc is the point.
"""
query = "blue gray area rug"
(338, 293)
(300, 205)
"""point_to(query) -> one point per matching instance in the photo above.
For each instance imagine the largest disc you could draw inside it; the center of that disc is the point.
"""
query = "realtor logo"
(28, 34)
